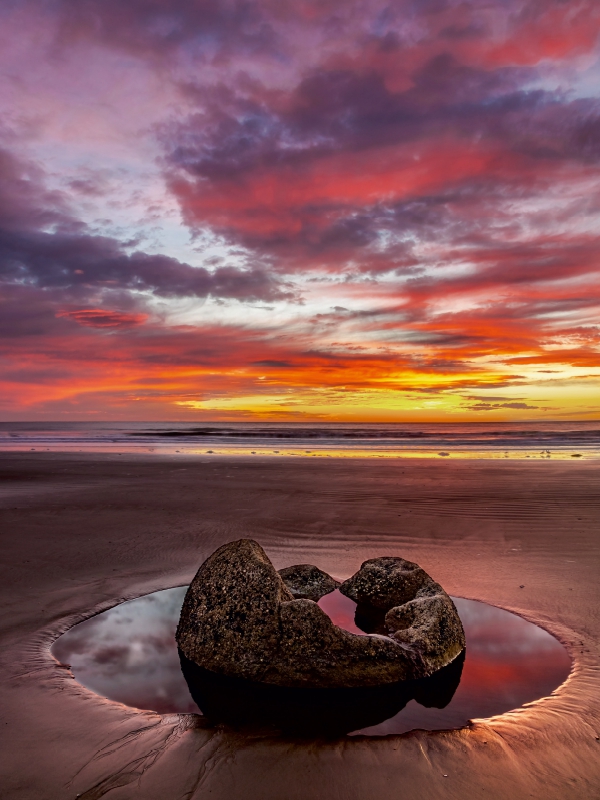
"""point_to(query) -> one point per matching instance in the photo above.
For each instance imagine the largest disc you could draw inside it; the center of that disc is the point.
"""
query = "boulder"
(400, 597)
(385, 582)
(229, 621)
(430, 626)
(240, 619)
(306, 582)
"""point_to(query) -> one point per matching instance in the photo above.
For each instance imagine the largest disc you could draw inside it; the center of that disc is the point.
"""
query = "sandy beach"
(82, 532)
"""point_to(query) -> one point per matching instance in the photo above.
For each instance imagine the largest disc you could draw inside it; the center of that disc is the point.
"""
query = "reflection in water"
(347, 615)
(341, 610)
(129, 654)
(313, 712)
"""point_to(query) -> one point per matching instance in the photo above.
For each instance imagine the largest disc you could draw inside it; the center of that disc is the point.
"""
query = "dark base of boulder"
(313, 713)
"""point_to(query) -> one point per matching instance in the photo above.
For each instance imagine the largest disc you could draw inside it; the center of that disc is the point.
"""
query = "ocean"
(536, 439)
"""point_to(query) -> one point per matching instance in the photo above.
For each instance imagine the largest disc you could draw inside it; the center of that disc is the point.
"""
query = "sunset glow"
(336, 211)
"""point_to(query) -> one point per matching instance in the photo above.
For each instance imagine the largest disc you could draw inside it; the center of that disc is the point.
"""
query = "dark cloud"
(336, 111)
(342, 110)
(270, 362)
(42, 245)
(231, 163)
(495, 406)
(27, 312)
(84, 261)
(159, 28)
(490, 399)
(102, 318)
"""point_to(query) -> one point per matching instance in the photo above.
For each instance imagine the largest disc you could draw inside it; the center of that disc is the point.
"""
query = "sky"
(334, 210)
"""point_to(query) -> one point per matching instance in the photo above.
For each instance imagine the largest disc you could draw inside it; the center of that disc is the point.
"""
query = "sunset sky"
(319, 209)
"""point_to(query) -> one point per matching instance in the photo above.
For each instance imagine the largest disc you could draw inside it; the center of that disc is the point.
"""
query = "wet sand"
(83, 532)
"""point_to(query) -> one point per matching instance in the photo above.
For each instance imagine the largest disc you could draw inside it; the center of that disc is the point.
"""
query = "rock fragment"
(419, 615)
(307, 582)
(385, 582)
(229, 622)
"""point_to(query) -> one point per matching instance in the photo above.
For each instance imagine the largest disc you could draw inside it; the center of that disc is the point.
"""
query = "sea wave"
(580, 438)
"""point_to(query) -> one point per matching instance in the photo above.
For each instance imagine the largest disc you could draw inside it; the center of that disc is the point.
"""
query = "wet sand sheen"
(83, 532)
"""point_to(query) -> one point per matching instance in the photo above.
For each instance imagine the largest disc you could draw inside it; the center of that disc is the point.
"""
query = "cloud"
(158, 28)
(85, 261)
(71, 258)
(101, 318)
(490, 399)
(426, 174)
(495, 406)
(342, 156)
(271, 362)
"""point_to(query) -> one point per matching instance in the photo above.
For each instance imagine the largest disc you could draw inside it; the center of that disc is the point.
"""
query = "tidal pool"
(129, 654)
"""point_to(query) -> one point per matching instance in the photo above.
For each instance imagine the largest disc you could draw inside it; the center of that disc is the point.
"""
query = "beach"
(82, 532)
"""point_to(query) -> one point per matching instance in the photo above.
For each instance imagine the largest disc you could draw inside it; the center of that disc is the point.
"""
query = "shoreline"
(370, 454)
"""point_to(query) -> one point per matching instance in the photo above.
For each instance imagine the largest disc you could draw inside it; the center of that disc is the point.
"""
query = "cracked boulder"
(410, 607)
(240, 619)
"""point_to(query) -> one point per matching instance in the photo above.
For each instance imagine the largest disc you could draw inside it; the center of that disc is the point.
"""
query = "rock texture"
(419, 615)
(241, 620)
(385, 582)
(230, 622)
(306, 582)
